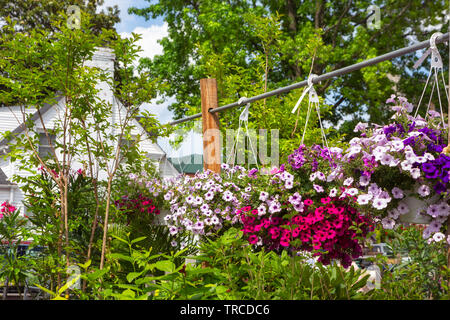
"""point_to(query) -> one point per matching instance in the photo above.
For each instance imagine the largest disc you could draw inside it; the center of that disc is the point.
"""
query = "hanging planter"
(401, 170)
(302, 208)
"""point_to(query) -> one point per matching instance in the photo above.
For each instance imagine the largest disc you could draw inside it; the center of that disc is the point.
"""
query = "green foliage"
(242, 273)
(58, 295)
(13, 267)
(423, 272)
(30, 14)
(44, 222)
(223, 269)
(69, 211)
(133, 274)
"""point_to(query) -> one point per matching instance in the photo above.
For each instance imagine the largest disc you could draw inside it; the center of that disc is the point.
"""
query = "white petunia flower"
(333, 192)
(415, 173)
(423, 190)
(364, 199)
(364, 181)
(397, 193)
(348, 181)
(402, 208)
(352, 191)
(388, 223)
(438, 236)
(406, 165)
(379, 203)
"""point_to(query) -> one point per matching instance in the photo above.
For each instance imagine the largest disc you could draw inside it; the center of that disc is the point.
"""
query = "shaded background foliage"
(31, 14)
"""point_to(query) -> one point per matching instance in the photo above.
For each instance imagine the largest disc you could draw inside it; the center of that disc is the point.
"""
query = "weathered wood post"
(210, 122)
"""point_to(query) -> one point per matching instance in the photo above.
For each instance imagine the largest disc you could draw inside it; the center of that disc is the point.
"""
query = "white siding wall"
(4, 194)
(9, 117)
(5, 166)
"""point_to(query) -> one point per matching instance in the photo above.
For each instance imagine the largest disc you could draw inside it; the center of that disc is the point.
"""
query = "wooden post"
(210, 122)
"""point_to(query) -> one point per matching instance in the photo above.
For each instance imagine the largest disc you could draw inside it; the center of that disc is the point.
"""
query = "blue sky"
(151, 32)
(130, 22)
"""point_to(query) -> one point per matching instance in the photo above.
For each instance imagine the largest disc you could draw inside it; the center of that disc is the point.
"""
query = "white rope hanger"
(243, 120)
(312, 103)
(436, 65)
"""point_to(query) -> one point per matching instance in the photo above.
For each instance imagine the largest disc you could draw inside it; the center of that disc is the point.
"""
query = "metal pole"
(326, 76)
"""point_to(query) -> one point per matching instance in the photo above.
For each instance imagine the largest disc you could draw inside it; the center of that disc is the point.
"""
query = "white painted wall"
(11, 117)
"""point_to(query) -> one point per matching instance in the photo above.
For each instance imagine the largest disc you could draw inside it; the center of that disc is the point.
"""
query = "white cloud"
(150, 47)
(149, 41)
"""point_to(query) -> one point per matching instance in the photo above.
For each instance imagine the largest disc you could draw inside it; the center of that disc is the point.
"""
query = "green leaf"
(85, 265)
(120, 239)
(221, 289)
(97, 274)
(45, 290)
(138, 239)
(133, 275)
(360, 283)
(165, 265)
(121, 256)
(68, 284)
(128, 293)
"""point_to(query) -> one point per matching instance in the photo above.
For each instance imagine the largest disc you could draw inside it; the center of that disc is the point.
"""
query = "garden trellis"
(210, 108)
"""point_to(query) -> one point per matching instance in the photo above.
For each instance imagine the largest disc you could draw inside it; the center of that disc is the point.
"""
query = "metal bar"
(195, 116)
(326, 76)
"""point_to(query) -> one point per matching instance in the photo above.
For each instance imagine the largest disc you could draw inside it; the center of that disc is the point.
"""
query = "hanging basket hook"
(241, 100)
(436, 60)
(433, 39)
(311, 77)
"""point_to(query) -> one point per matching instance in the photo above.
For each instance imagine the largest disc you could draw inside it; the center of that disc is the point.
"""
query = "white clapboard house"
(10, 121)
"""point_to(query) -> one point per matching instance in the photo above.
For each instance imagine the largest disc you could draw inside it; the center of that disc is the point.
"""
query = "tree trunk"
(105, 223)
(292, 16)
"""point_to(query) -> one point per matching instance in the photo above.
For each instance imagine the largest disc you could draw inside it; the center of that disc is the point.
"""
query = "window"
(45, 150)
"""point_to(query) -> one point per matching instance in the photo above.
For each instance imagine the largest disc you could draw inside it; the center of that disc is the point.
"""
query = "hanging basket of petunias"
(400, 169)
(303, 207)
(204, 205)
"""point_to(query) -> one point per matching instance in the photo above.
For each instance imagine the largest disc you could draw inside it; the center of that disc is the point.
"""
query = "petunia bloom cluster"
(307, 208)
(204, 203)
(404, 159)
(323, 228)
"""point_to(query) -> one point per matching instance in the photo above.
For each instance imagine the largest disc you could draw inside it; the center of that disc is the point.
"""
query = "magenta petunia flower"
(253, 239)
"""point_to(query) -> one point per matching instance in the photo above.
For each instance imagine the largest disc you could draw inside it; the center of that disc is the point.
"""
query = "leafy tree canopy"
(32, 14)
(255, 46)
